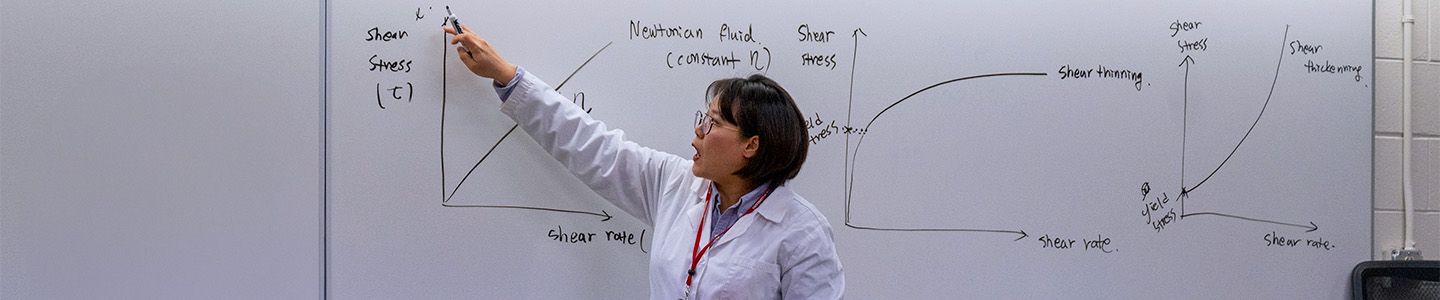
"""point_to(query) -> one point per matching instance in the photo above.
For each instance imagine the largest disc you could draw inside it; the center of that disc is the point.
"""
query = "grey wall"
(160, 149)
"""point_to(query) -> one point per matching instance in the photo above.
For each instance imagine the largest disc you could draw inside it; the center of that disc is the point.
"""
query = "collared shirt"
(722, 218)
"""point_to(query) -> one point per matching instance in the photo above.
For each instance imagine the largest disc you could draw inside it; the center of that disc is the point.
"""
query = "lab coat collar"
(777, 204)
(700, 187)
(773, 209)
(693, 215)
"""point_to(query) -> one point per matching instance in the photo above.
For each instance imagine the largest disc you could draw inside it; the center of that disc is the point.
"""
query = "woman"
(726, 226)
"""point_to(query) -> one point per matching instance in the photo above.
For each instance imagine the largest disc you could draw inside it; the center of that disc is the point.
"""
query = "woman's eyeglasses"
(705, 123)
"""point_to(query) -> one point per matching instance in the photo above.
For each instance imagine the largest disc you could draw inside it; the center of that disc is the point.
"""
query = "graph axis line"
(452, 192)
(1268, 96)
(854, 154)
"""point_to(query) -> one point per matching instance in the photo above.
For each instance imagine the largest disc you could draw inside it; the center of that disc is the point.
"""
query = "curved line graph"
(1268, 96)
(1185, 191)
(854, 153)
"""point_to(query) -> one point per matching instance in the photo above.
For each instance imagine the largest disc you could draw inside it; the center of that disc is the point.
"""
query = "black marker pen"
(455, 23)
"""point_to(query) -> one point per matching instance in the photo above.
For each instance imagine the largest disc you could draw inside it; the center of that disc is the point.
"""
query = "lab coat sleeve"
(628, 175)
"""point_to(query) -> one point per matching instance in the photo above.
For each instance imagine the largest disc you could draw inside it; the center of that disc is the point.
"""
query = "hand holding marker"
(476, 53)
(455, 23)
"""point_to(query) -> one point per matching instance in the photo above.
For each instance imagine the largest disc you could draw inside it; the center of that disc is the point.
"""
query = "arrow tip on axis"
(607, 215)
(1022, 236)
(1313, 227)
(1187, 59)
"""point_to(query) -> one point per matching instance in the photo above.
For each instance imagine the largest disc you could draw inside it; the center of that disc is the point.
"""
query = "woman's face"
(723, 151)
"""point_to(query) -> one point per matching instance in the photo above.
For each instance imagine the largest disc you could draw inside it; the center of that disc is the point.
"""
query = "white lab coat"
(785, 250)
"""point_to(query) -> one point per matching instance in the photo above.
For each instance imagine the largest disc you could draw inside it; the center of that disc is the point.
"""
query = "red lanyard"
(696, 252)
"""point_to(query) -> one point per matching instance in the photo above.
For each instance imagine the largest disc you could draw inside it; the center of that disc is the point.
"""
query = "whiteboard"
(161, 149)
(999, 150)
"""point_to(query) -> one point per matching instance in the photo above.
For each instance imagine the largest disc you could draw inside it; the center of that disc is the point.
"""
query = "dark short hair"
(760, 107)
